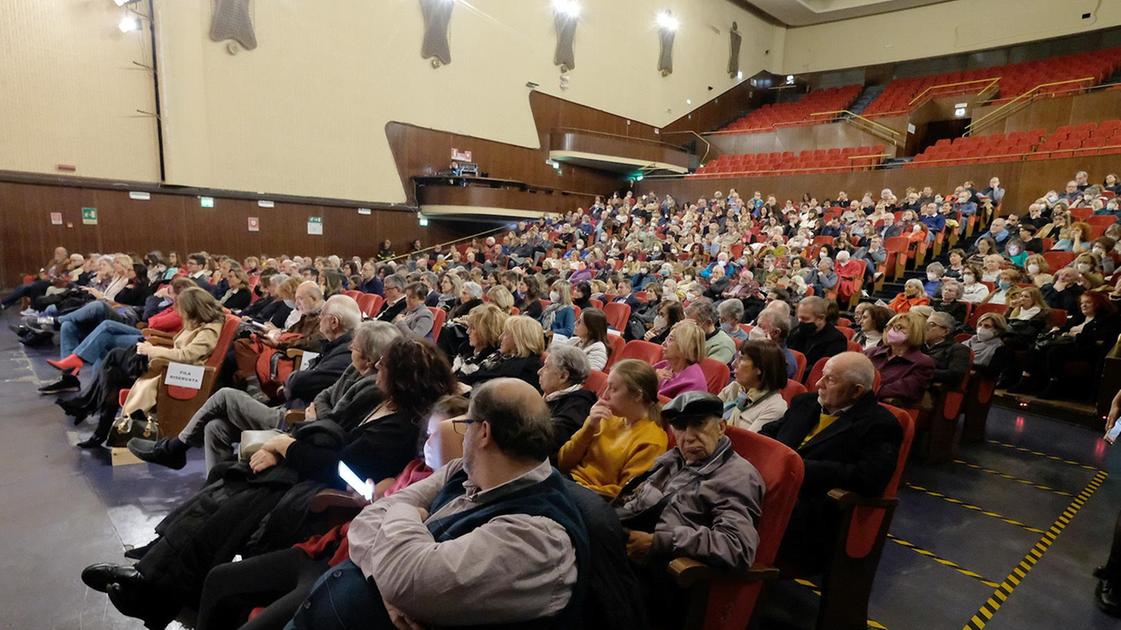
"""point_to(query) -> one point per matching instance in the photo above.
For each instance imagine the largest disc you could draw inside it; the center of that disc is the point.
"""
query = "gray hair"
(778, 319)
(572, 360)
(395, 281)
(277, 279)
(937, 268)
(732, 309)
(819, 305)
(373, 337)
(474, 289)
(915, 282)
(343, 308)
(702, 311)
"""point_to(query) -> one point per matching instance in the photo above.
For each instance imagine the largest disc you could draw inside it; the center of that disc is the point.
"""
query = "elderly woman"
(590, 336)
(1090, 267)
(989, 353)
(730, 313)
(905, 372)
(221, 520)
(621, 437)
(124, 367)
(519, 354)
(991, 266)
(559, 318)
(754, 397)
(972, 289)
(562, 378)
(416, 320)
(912, 295)
(1005, 283)
(484, 334)
(680, 371)
(872, 320)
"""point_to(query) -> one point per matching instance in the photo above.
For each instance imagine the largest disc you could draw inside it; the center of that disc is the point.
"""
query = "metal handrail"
(912, 104)
(616, 135)
(433, 247)
(1030, 94)
(892, 134)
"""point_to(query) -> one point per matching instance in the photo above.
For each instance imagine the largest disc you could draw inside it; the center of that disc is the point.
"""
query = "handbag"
(127, 427)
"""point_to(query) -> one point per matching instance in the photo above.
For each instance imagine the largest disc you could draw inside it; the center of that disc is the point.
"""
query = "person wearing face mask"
(1038, 270)
(1088, 267)
(934, 274)
(731, 314)
(1005, 283)
(1016, 253)
(905, 372)
(773, 324)
(816, 337)
(987, 344)
(972, 290)
(718, 345)
(754, 397)
(913, 294)
(559, 318)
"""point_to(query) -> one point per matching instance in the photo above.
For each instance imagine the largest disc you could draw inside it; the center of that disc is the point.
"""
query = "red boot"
(72, 364)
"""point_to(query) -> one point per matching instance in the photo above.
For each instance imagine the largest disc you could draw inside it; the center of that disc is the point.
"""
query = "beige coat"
(189, 346)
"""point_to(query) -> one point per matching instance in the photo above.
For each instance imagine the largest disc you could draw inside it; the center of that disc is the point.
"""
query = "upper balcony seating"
(789, 163)
(798, 112)
(1067, 141)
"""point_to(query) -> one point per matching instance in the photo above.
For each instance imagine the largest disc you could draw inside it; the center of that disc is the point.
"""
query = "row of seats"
(788, 162)
(798, 112)
(1014, 80)
(1036, 144)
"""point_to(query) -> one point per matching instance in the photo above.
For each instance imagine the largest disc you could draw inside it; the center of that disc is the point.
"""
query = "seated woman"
(590, 336)
(913, 295)
(562, 378)
(681, 371)
(559, 318)
(754, 397)
(450, 288)
(950, 301)
(730, 314)
(990, 268)
(989, 352)
(280, 580)
(123, 367)
(1005, 282)
(972, 289)
(530, 290)
(301, 330)
(277, 304)
(76, 325)
(223, 518)
(453, 337)
(1087, 342)
(669, 313)
(519, 354)
(872, 320)
(1090, 267)
(621, 437)
(905, 371)
(237, 295)
(485, 324)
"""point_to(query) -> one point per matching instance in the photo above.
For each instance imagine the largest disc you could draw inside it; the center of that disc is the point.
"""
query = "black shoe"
(74, 409)
(1108, 597)
(67, 383)
(144, 602)
(94, 441)
(35, 339)
(169, 452)
(100, 576)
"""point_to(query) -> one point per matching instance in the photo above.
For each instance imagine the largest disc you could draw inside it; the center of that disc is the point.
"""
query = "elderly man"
(699, 499)
(562, 379)
(502, 511)
(415, 320)
(951, 359)
(718, 345)
(815, 337)
(1065, 293)
(394, 291)
(218, 424)
(774, 324)
(846, 440)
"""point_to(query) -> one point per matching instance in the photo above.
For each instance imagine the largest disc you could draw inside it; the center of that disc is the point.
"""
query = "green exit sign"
(206, 202)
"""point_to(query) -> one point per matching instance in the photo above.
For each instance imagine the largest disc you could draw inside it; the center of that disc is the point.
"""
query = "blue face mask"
(1003, 284)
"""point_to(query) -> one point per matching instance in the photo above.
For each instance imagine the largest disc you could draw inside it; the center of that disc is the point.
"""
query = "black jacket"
(816, 344)
(349, 399)
(1067, 299)
(324, 370)
(951, 361)
(498, 366)
(389, 313)
(569, 413)
(957, 309)
(237, 300)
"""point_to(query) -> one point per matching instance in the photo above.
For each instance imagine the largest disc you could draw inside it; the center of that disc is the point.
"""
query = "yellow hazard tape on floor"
(872, 623)
(942, 561)
(969, 506)
(1054, 458)
(1034, 555)
(1002, 475)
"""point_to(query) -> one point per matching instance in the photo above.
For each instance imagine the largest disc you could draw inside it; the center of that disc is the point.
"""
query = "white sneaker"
(29, 312)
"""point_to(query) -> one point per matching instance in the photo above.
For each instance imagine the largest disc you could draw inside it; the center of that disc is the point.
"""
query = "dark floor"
(62, 508)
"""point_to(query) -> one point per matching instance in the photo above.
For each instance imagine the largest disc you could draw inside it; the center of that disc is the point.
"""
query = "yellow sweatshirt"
(606, 459)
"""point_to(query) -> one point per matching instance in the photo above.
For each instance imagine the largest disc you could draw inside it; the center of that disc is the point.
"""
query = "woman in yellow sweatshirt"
(621, 437)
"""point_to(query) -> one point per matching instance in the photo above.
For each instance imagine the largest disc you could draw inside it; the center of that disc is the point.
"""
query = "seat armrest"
(848, 499)
(294, 353)
(294, 416)
(687, 572)
(327, 499)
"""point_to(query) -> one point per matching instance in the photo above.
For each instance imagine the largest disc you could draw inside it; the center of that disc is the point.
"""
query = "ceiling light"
(570, 8)
(667, 21)
(122, 3)
(129, 23)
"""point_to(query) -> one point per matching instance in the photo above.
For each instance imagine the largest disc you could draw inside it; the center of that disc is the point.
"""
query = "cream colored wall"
(69, 91)
(940, 29)
(305, 112)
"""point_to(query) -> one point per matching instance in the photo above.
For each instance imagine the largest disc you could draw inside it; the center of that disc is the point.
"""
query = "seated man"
(501, 511)
(347, 390)
(815, 337)
(951, 359)
(847, 441)
(718, 345)
(700, 499)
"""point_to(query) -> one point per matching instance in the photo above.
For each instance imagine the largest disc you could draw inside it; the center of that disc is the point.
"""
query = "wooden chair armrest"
(327, 499)
(686, 572)
(294, 416)
(847, 499)
(294, 353)
(141, 326)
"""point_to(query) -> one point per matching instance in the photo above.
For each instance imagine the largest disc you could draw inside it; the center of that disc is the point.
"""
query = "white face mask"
(659, 321)
(1013, 251)
(933, 277)
(1033, 269)
(758, 334)
(968, 279)
(985, 334)
(554, 296)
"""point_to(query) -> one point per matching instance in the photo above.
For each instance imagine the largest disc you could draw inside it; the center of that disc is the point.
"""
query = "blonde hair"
(641, 380)
(501, 297)
(564, 292)
(915, 325)
(529, 337)
(488, 322)
(690, 340)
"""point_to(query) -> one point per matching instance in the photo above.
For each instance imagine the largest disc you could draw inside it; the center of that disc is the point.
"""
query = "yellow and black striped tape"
(969, 506)
(1002, 475)
(1021, 570)
(1054, 458)
(872, 623)
(942, 561)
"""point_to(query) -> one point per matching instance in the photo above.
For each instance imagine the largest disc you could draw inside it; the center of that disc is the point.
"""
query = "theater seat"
(642, 350)
(716, 374)
(615, 345)
(618, 313)
(596, 382)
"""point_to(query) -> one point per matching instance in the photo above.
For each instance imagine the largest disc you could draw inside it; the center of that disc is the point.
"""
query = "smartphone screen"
(355, 482)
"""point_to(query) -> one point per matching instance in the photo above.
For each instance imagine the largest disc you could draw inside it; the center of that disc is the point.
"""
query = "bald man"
(846, 440)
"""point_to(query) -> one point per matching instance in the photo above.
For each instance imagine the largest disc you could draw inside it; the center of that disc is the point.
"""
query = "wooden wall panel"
(1049, 113)
(794, 139)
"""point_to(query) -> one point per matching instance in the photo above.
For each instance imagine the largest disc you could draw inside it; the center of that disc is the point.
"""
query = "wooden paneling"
(610, 145)
(825, 136)
(1051, 112)
(537, 201)
(171, 222)
(1025, 181)
(716, 113)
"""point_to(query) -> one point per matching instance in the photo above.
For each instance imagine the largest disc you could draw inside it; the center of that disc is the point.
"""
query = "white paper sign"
(183, 375)
(307, 359)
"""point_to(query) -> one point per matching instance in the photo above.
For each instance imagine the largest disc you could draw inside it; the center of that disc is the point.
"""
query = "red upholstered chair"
(940, 424)
(615, 345)
(618, 314)
(800, 363)
(438, 317)
(1058, 260)
(852, 346)
(721, 600)
(595, 303)
(596, 381)
(370, 303)
(792, 389)
(716, 374)
(815, 374)
(981, 309)
(849, 333)
(642, 350)
(352, 294)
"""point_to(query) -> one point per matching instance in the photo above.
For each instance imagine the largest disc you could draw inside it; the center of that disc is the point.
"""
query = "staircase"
(867, 96)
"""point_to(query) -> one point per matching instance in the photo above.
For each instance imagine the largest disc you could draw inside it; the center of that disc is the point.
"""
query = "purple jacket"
(691, 379)
(904, 379)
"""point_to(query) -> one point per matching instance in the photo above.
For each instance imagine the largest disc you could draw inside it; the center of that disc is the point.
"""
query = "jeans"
(222, 418)
(76, 325)
(342, 599)
(32, 289)
(108, 335)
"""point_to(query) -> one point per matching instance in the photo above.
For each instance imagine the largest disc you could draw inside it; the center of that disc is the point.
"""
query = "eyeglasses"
(460, 425)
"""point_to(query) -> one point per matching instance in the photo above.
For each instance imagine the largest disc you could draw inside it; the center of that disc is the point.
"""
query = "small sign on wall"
(56, 218)
(89, 216)
(206, 202)
(315, 226)
(461, 156)
(254, 224)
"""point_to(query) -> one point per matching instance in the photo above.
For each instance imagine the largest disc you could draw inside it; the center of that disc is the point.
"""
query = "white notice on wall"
(306, 360)
(183, 375)
(315, 226)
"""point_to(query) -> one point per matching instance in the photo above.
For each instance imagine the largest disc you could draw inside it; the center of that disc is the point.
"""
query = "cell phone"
(352, 480)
